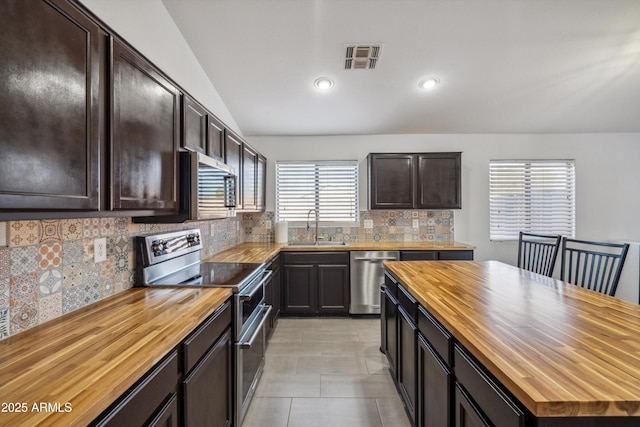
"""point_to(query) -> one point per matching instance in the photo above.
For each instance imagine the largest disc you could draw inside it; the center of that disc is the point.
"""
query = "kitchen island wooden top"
(91, 356)
(560, 349)
(263, 252)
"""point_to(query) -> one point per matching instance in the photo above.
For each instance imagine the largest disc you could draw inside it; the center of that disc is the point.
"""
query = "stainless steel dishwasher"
(367, 274)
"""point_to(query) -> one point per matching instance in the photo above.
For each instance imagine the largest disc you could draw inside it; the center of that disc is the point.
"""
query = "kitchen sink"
(316, 244)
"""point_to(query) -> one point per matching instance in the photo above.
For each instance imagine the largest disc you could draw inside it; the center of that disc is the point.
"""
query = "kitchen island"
(554, 353)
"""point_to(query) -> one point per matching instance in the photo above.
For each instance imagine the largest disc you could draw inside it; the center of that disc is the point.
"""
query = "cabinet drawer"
(409, 303)
(197, 344)
(316, 257)
(418, 255)
(455, 255)
(148, 398)
(391, 285)
(485, 392)
(439, 338)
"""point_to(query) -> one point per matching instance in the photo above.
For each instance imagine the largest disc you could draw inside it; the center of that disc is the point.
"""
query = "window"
(535, 196)
(329, 187)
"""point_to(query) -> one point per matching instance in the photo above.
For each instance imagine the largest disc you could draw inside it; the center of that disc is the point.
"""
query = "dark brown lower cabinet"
(389, 323)
(407, 362)
(316, 283)
(453, 255)
(434, 387)
(150, 401)
(272, 295)
(467, 413)
(207, 389)
(169, 415)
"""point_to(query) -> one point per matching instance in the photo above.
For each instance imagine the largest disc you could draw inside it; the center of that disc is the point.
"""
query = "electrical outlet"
(100, 249)
(416, 223)
(368, 223)
(267, 224)
(3, 234)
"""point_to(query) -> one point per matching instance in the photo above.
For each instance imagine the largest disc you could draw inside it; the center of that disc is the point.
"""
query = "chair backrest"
(593, 265)
(538, 252)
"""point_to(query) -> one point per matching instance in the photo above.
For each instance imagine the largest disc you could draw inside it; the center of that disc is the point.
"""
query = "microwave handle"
(230, 191)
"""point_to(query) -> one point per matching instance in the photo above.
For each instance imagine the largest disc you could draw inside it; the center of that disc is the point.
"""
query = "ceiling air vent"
(362, 56)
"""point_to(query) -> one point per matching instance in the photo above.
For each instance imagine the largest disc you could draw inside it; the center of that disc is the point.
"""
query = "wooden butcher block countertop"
(263, 252)
(91, 356)
(560, 349)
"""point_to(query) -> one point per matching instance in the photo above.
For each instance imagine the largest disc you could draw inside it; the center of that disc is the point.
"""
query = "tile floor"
(326, 372)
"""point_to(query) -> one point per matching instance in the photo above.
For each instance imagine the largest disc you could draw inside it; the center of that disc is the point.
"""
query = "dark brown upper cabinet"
(145, 135)
(215, 137)
(194, 125)
(261, 183)
(438, 181)
(249, 174)
(52, 88)
(233, 157)
(414, 180)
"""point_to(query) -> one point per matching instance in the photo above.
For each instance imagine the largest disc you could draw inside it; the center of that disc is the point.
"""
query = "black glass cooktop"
(214, 274)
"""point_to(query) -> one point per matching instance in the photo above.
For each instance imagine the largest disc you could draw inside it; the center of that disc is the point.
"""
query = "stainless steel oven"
(173, 259)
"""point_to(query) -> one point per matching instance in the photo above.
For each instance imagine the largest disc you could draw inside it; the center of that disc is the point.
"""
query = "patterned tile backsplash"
(387, 226)
(48, 270)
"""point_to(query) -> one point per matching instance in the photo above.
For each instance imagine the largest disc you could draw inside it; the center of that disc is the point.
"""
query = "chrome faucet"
(308, 227)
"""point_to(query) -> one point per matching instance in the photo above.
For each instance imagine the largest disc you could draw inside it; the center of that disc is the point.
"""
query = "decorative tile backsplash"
(387, 226)
(48, 268)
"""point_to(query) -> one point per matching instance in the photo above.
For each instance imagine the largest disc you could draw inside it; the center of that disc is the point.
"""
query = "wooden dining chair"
(538, 252)
(593, 265)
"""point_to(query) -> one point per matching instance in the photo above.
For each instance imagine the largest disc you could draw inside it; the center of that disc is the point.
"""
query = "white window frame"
(534, 196)
(314, 182)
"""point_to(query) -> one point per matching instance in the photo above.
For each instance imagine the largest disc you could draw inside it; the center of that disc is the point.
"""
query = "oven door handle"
(247, 296)
(247, 344)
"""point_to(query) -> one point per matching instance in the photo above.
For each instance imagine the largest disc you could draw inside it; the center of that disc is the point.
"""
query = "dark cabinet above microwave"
(414, 180)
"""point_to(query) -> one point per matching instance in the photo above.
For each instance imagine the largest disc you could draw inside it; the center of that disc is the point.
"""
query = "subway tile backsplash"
(47, 269)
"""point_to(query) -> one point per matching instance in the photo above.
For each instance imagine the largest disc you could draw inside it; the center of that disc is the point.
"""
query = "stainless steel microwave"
(207, 188)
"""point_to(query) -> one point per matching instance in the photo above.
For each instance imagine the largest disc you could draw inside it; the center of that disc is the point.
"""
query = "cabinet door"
(434, 388)
(215, 138)
(194, 125)
(333, 289)
(407, 362)
(467, 414)
(146, 122)
(249, 174)
(268, 300)
(439, 181)
(261, 183)
(52, 62)
(391, 332)
(455, 255)
(418, 255)
(391, 181)
(169, 415)
(277, 292)
(233, 158)
(207, 390)
(300, 289)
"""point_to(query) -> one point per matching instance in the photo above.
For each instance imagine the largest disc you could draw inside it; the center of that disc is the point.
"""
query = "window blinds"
(329, 187)
(535, 196)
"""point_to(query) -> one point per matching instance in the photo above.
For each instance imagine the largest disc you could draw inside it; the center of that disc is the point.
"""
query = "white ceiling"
(506, 66)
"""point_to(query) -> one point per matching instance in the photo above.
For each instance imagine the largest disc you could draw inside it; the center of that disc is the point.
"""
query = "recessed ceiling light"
(323, 83)
(428, 83)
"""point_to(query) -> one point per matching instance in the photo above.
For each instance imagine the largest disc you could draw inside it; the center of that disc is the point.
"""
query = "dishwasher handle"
(376, 259)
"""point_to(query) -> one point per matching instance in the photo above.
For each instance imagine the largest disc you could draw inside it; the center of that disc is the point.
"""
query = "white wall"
(147, 26)
(607, 175)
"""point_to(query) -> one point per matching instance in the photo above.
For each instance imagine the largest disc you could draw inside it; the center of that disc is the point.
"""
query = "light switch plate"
(100, 249)
(3, 234)
(416, 223)
(368, 223)
(267, 224)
